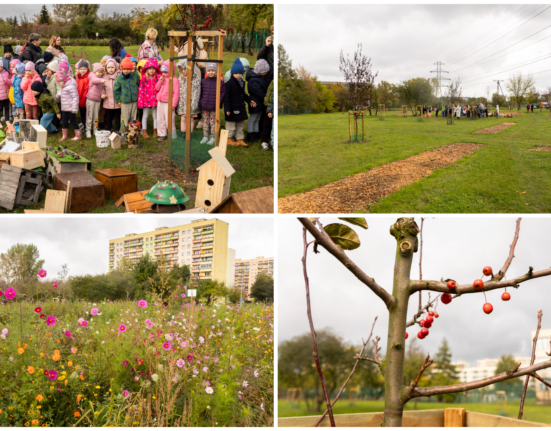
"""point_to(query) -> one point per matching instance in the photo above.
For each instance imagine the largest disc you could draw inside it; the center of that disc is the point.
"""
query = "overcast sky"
(456, 248)
(83, 242)
(9, 10)
(404, 41)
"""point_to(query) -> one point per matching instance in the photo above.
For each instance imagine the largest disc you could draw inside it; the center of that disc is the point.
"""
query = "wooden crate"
(450, 417)
(85, 193)
(255, 201)
(9, 182)
(4, 159)
(25, 127)
(39, 134)
(28, 159)
(55, 203)
(117, 181)
(135, 202)
(30, 187)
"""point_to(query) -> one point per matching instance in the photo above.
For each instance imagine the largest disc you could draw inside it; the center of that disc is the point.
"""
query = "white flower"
(256, 329)
(2, 336)
(169, 337)
(155, 377)
(208, 407)
(245, 384)
(262, 406)
(209, 390)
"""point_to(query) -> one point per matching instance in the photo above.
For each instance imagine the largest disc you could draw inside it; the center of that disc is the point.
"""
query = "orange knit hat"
(126, 64)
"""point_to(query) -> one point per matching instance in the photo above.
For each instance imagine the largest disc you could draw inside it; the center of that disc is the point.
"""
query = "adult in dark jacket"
(234, 105)
(117, 48)
(267, 53)
(32, 51)
(257, 87)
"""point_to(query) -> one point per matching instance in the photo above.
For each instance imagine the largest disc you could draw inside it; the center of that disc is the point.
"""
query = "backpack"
(10, 96)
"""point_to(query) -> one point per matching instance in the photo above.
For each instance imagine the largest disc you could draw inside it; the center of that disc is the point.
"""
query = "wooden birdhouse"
(25, 127)
(10, 130)
(38, 134)
(214, 181)
(115, 140)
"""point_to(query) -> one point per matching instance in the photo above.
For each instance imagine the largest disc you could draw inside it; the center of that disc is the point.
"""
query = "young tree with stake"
(336, 238)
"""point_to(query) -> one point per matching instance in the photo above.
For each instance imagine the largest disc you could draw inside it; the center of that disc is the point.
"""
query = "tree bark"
(405, 231)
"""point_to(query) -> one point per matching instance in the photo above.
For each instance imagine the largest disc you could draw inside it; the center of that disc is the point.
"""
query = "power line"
(499, 37)
(543, 57)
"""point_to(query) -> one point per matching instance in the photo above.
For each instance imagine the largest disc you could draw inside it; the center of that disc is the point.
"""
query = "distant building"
(246, 271)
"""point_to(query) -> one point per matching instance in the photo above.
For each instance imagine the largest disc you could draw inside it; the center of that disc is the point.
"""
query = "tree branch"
(358, 358)
(313, 331)
(499, 276)
(420, 312)
(413, 385)
(347, 262)
(377, 349)
(541, 379)
(462, 387)
(532, 360)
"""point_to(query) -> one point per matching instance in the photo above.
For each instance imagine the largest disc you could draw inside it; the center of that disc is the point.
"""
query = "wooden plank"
(135, 202)
(170, 88)
(120, 201)
(222, 162)
(196, 33)
(190, 71)
(218, 90)
(418, 418)
(454, 417)
(484, 420)
(255, 201)
(223, 142)
(55, 201)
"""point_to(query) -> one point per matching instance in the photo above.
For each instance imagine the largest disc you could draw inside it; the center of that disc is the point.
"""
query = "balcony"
(157, 246)
(157, 253)
(208, 230)
(173, 258)
(196, 241)
(196, 248)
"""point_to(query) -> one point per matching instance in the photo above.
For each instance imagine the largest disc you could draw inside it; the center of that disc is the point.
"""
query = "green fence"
(289, 111)
(236, 41)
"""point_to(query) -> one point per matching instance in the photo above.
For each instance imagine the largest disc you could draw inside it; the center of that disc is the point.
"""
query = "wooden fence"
(450, 417)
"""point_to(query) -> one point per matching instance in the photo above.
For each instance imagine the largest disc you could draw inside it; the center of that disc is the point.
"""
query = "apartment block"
(202, 244)
(246, 271)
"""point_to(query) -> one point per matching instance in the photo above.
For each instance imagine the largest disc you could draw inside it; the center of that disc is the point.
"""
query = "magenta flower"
(1, 293)
(189, 358)
(84, 323)
(180, 363)
(183, 295)
(42, 273)
(10, 293)
(125, 393)
(52, 374)
(55, 284)
(148, 323)
(167, 345)
(46, 372)
(38, 310)
(122, 328)
(94, 311)
(125, 363)
(142, 303)
(67, 333)
(50, 320)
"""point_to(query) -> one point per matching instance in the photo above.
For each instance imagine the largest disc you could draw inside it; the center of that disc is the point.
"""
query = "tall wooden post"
(218, 84)
(170, 89)
(190, 71)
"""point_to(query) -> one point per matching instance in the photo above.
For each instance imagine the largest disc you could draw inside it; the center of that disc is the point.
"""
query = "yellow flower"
(42, 355)
(51, 388)
(39, 397)
(98, 387)
(30, 369)
(20, 351)
(34, 421)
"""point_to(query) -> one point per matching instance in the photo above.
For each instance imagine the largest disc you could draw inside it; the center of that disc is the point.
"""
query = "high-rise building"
(202, 244)
(246, 271)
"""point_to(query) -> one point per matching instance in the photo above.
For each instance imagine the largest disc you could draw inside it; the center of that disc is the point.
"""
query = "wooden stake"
(455, 417)
(67, 197)
(170, 89)
(218, 90)
(349, 128)
(190, 71)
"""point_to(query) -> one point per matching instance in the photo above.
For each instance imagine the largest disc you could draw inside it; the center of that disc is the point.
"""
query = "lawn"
(501, 177)
(532, 412)
(163, 363)
(254, 167)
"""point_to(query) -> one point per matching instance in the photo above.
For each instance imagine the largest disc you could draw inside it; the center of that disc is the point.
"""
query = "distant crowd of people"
(459, 111)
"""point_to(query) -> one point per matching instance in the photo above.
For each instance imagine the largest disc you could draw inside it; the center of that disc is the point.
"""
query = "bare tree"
(359, 78)
(454, 91)
(336, 238)
(519, 86)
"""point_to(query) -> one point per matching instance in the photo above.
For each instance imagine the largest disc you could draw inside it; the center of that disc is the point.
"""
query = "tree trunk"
(251, 39)
(405, 231)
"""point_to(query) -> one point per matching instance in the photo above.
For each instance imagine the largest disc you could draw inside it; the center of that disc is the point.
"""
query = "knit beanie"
(103, 61)
(15, 62)
(48, 56)
(83, 63)
(18, 49)
(212, 66)
(245, 62)
(63, 57)
(164, 69)
(8, 48)
(20, 68)
(64, 66)
(261, 66)
(237, 67)
(41, 68)
(133, 60)
(30, 66)
(117, 59)
(126, 64)
(37, 86)
(97, 66)
(53, 66)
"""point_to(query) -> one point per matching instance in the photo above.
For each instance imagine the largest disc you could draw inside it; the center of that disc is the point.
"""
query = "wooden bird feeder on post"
(191, 59)
(382, 112)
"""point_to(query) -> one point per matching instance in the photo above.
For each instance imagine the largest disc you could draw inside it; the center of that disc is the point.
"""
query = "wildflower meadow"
(161, 360)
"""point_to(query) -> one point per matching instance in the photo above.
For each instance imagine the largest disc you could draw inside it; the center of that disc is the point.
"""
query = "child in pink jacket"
(162, 105)
(31, 105)
(5, 84)
(69, 101)
(147, 94)
(112, 108)
(93, 97)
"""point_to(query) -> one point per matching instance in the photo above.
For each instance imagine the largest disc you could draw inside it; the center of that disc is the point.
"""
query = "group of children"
(125, 89)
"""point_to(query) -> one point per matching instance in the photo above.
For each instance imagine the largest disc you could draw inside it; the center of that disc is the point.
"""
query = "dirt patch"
(494, 129)
(356, 192)
(540, 148)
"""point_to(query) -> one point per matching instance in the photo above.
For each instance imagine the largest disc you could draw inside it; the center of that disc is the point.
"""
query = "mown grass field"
(168, 363)
(254, 167)
(532, 412)
(501, 177)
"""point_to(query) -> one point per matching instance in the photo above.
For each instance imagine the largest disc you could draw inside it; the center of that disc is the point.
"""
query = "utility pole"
(439, 78)
(498, 88)
(487, 94)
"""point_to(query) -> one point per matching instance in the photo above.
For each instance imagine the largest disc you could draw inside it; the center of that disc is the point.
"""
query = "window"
(189, 253)
(189, 246)
(189, 232)
(183, 240)
(183, 254)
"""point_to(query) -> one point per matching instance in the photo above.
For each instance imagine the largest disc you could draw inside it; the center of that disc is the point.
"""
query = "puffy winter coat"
(234, 100)
(17, 92)
(208, 94)
(83, 83)
(69, 96)
(5, 84)
(31, 53)
(195, 92)
(162, 90)
(148, 51)
(108, 85)
(28, 96)
(125, 89)
(94, 88)
(147, 94)
(267, 53)
(47, 104)
(53, 86)
(257, 87)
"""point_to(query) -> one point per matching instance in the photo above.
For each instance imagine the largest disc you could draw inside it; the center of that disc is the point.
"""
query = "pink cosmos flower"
(180, 363)
(1, 293)
(38, 310)
(67, 333)
(183, 295)
(42, 273)
(50, 320)
(183, 344)
(125, 363)
(142, 303)
(84, 323)
(125, 393)
(52, 374)
(122, 328)
(167, 345)
(10, 293)
(94, 311)
(55, 284)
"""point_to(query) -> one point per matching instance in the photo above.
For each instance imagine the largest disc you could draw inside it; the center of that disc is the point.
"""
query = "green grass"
(532, 412)
(501, 177)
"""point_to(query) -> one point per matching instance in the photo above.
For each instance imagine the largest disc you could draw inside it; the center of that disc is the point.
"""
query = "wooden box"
(117, 181)
(9, 182)
(85, 193)
(25, 127)
(38, 134)
(115, 141)
(28, 159)
(4, 159)
(255, 201)
(19, 186)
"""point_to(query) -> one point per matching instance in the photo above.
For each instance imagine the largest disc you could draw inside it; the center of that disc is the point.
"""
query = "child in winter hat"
(83, 82)
(195, 95)
(112, 108)
(147, 94)
(208, 103)
(163, 108)
(257, 87)
(52, 85)
(126, 91)
(93, 97)
(48, 105)
(69, 101)
(18, 92)
(31, 106)
(5, 84)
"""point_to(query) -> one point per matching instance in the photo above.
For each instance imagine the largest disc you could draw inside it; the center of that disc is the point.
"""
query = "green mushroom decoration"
(167, 194)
